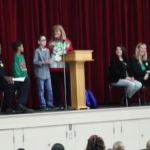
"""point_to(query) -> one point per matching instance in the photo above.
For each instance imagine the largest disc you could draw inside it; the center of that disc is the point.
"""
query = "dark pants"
(56, 78)
(7, 89)
(22, 92)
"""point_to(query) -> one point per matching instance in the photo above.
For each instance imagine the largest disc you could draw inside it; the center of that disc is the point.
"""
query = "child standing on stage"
(59, 45)
(42, 63)
(19, 70)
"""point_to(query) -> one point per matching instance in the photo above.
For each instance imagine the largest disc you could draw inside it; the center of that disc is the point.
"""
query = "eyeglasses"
(43, 40)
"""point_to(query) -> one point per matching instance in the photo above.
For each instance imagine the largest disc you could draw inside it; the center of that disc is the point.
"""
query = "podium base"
(80, 107)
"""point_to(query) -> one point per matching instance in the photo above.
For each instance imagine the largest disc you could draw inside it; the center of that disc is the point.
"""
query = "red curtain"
(97, 25)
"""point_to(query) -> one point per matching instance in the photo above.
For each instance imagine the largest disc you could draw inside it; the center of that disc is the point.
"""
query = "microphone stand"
(64, 68)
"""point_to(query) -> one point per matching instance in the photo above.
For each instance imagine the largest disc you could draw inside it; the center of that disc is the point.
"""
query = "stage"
(73, 127)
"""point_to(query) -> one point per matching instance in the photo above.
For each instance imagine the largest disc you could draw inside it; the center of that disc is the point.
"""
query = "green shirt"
(19, 66)
(143, 67)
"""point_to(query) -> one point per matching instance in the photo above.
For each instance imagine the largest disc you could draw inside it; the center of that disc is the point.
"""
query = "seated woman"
(118, 146)
(121, 74)
(95, 143)
(140, 65)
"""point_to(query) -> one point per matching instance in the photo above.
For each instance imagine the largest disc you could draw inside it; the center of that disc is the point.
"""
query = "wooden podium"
(76, 60)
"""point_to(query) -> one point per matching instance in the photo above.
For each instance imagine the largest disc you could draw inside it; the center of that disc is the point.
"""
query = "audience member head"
(148, 145)
(41, 39)
(118, 146)
(58, 146)
(21, 149)
(95, 143)
(58, 32)
(120, 51)
(17, 46)
(141, 51)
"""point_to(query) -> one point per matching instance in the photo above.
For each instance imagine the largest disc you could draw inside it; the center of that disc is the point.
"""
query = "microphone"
(65, 94)
(54, 39)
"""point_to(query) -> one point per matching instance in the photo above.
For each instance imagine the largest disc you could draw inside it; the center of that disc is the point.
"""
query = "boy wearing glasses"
(42, 63)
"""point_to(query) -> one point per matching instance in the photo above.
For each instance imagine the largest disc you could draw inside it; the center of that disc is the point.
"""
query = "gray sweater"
(41, 70)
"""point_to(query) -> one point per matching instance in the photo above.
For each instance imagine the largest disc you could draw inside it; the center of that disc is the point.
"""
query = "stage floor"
(100, 107)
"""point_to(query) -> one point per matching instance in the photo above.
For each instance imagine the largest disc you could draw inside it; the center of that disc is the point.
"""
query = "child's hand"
(46, 62)
(9, 80)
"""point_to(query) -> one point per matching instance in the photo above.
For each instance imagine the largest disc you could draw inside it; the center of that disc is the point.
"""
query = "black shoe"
(123, 99)
(8, 111)
(23, 109)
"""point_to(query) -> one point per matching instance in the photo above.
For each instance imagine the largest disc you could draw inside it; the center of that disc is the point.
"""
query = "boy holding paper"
(19, 70)
(7, 85)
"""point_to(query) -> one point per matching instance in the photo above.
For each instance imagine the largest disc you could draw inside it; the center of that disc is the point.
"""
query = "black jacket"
(136, 68)
(118, 69)
(2, 71)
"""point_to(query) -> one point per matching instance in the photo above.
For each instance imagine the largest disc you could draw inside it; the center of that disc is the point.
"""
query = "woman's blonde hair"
(148, 145)
(118, 146)
(62, 31)
(137, 51)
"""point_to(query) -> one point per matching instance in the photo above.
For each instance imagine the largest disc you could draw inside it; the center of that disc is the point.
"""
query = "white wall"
(40, 131)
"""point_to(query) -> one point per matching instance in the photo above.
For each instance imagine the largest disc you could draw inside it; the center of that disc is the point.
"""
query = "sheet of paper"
(21, 79)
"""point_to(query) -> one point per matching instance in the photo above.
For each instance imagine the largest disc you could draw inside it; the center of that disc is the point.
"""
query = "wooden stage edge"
(51, 118)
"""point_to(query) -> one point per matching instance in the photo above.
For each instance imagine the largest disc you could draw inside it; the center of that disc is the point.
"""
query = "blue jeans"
(47, 84)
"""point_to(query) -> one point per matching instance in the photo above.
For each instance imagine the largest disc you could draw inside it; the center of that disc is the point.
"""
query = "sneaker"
(28, 110)
(44, 108)
(8, 111)
(59, 108)
(51, 107)
(68, 107)
(23, 109)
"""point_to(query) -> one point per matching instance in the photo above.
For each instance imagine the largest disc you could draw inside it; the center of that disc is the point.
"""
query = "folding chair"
(144, 92)
(112, 86)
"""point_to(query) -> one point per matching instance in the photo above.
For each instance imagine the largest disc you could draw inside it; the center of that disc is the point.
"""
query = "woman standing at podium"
(59, 45)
